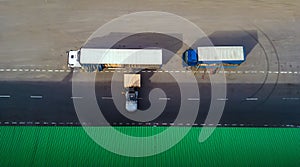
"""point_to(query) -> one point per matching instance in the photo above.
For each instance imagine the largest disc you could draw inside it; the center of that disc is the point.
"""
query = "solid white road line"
(36, 97)
(4, 96)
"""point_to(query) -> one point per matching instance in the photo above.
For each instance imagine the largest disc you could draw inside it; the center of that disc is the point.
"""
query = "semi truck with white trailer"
(132, 82)
(214, 55)
(92, 59)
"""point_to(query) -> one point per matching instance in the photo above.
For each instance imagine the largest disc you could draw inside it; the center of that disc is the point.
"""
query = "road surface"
(51, 103)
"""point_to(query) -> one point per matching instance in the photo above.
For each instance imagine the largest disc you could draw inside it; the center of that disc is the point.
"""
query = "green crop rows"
(71, 146)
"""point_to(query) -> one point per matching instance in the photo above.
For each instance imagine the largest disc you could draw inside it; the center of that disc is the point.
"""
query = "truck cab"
(190, 57)
(131, 99)
(73, 59)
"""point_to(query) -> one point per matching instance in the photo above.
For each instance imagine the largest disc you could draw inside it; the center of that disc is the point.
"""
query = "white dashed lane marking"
(161, 98)
(4, 96)
(252, 99)
(74, 97)
(290, 98)
(193, 99)
(222, 99)
(36, 97)
(250, 72)
(164, 98)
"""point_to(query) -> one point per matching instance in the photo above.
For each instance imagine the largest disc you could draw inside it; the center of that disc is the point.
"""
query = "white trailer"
(94, 58)
(221, 53)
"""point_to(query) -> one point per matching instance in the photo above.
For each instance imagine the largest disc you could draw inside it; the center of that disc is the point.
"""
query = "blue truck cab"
(190, 57)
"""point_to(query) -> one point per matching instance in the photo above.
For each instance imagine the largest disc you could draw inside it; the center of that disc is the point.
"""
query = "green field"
(71, 146)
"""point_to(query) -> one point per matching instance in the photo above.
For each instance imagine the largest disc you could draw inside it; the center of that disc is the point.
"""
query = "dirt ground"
(37, 33)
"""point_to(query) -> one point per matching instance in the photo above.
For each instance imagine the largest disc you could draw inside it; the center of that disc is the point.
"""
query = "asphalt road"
(51, 103)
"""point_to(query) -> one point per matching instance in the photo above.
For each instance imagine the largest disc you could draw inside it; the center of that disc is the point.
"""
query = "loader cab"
(73, 59)
(131, 99)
